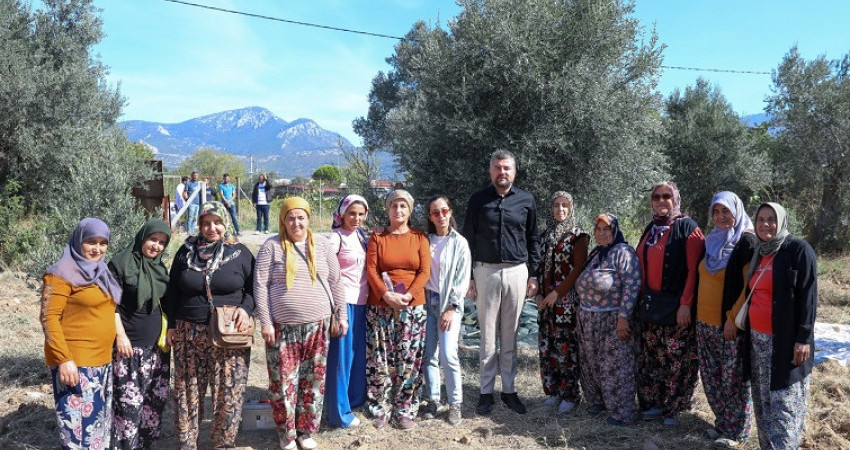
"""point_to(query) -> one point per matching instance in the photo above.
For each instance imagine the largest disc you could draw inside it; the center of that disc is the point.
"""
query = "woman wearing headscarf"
(297, 280)
(451, 262)
(141, 369)
(782, 284)
(608, 289)
(565, 247)
(721, 365)
(346, 382)
(669, 251)
(78, 301)
(398, 264)
(211, 259)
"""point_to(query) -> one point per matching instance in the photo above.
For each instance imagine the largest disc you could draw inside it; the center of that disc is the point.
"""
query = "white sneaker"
(290, 446)
(355, 422)
(306, 442)
(257, 232)
(565, 407)
(551, 401)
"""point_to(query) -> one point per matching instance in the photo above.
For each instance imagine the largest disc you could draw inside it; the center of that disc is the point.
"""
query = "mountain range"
(288, 148)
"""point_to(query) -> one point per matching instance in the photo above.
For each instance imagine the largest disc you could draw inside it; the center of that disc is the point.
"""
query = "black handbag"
(658, 308)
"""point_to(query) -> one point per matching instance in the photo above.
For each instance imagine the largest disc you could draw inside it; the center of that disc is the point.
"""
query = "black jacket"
(256, 192)
(795, 300)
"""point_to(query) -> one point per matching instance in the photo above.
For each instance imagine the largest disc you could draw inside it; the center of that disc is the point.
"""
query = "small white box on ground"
(257, 416)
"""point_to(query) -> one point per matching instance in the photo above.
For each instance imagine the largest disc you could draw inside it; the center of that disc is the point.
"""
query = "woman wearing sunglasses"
(444, 292)
(669, 251)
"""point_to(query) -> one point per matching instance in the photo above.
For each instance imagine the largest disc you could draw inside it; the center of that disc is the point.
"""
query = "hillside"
(288, 148)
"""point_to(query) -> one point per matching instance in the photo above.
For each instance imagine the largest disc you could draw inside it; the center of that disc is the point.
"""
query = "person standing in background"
(228, 197)
(192, 213)
(262, 197)
(179, 200)
(211, 195)
(501, 228)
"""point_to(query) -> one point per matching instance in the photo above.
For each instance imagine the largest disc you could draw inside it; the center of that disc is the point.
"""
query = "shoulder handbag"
(744, 312)
(658, 308)
(222, 327)
(335, 328)
(162, 341)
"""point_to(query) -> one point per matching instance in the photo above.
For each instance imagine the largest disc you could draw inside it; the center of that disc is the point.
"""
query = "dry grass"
(27, 420)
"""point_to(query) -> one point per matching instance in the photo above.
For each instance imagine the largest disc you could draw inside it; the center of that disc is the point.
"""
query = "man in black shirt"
(501, 227)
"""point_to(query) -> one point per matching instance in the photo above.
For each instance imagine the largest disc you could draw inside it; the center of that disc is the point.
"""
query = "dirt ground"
(27, 419)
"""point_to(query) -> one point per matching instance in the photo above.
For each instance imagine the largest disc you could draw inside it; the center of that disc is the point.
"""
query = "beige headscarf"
(289, 245)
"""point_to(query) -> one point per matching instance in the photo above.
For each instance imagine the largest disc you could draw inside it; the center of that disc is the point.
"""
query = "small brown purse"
(222, 327)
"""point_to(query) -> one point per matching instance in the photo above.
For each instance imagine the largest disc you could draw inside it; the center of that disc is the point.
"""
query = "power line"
(294, 22)
(388, 36)
(698, 69)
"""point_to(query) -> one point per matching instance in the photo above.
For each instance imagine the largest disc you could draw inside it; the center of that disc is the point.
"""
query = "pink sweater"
(305, 301)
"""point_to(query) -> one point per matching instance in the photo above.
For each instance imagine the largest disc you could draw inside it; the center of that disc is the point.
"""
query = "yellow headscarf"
(289, 245)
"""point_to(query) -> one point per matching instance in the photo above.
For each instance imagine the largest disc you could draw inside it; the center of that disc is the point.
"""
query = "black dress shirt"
(503, 229)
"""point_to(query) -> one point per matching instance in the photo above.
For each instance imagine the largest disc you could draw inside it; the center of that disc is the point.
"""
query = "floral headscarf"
(720, 243)
(556, 232)
(660, 225)
(602, 250)
(209, 256)
(74, 268)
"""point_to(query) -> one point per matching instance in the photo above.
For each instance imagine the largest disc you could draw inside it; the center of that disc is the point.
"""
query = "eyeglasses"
(665, 196)
(440, 212)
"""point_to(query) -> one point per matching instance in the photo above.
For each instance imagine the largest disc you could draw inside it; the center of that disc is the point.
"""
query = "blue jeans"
(345, 388)
(232, 211)
(263, 217)
(441, 350)
(192, 219)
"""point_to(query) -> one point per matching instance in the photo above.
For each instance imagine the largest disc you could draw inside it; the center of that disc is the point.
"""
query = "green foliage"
(58, 137)
(22, 234)
(361, 167)
(810, 107)
(328, 173)
(710, 150)
(567, 86)
(213, 164)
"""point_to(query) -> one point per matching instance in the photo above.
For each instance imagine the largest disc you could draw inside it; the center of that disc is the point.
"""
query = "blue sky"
(176, 62)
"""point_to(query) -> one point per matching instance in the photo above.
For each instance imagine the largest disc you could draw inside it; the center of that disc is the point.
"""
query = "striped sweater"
(305, 301)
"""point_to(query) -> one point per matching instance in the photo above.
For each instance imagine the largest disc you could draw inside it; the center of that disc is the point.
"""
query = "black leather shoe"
(512, 402)
(485, 404)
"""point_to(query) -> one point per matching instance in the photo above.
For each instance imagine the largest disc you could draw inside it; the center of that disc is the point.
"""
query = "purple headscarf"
(719, 243)
(74, 268)
(338, 219)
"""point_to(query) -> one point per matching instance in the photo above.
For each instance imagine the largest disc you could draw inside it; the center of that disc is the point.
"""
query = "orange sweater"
(405, 257)
(78, 323)
(710, 295)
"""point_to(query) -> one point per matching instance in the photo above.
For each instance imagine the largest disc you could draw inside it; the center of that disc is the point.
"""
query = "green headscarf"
(150, 276)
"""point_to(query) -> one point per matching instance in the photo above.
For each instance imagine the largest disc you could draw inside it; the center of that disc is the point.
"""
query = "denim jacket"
(455, 266)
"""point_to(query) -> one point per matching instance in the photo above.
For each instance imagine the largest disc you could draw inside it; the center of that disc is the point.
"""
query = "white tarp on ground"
(832, 343)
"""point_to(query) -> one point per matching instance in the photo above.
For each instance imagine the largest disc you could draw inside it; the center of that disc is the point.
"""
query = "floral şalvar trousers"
(394, 351)
(608, 364)
(139, 396)
(722, 372)
(780, 414)
(84, 411)
(668, 368)
(557, 342)
(198, 364)
(297, 363)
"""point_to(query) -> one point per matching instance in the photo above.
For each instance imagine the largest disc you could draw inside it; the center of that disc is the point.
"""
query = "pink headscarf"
(343, 207)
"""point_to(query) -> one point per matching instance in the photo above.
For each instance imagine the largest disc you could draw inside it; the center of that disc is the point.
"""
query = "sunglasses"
(665, 196)
(440, 212)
